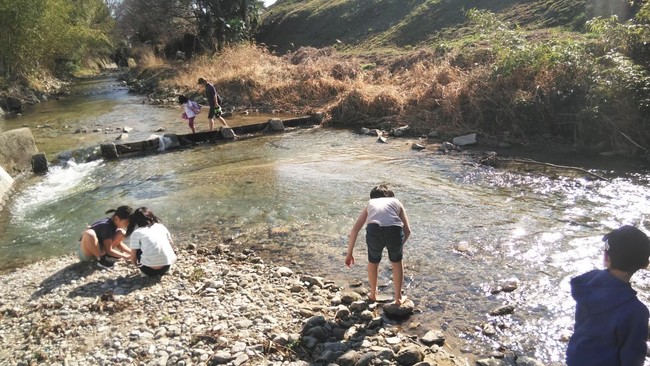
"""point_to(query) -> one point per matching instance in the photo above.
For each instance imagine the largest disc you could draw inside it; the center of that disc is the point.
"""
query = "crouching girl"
(151, 243)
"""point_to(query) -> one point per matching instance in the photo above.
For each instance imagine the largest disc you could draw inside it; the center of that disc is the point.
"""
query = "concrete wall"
(6, 181)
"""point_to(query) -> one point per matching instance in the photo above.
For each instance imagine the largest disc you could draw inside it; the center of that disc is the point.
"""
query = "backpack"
(195, 107)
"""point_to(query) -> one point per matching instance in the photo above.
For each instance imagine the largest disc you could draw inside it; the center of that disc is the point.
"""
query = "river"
(295, 196)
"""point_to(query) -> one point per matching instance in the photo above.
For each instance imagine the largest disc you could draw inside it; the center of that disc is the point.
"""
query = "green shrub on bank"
(592, 92)
(40, 36)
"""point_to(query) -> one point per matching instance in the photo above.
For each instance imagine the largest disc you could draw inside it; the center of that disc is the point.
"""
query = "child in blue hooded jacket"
(611, 324)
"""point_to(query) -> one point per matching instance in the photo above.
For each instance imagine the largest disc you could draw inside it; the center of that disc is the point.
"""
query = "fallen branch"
(632, 141)
(581, 170)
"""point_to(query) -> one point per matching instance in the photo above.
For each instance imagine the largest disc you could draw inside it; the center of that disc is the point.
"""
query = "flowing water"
(473, 227)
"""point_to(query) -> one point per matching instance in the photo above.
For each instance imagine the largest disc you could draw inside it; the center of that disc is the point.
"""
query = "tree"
(39, 34)
(227, 21)
(215, 22)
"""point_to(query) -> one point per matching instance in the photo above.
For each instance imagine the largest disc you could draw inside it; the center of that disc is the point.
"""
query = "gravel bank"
(222, 304)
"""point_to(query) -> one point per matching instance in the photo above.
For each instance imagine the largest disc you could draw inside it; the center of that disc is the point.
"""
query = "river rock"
(12, 105)
(503, 310)
(490, 362)
(406, 308)
(227, 133)
(348, 297)
(433, 337)
(465, 140)
(528, 361)
(401, 131)
(448, 146)
(39, 163)
(275, 125)
(410, 355)
(349, 358)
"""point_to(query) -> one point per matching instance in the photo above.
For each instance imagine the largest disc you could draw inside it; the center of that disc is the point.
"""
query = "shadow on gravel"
(64, 276)
(122, 285)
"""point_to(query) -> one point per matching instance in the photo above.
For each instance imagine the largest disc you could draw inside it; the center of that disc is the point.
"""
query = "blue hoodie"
(611, 324)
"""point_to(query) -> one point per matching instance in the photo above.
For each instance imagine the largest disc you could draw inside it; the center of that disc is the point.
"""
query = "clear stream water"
(313, 183)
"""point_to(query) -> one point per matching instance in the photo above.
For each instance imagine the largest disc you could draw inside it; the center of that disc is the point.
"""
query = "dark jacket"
(611, 324)
(104, 229)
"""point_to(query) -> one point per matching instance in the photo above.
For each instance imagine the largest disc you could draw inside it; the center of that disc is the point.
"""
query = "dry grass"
(148, 60)
(425, 89)
(421, 88)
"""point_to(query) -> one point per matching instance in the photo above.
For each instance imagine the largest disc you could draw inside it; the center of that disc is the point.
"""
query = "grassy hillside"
(572, 70)
(290, 24)
(516, 72)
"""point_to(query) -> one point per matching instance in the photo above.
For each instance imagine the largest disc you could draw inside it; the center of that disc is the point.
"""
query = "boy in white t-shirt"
(387, 227)
(151, 243)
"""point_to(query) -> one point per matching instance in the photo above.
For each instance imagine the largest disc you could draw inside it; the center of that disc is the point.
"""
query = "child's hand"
(349, 260)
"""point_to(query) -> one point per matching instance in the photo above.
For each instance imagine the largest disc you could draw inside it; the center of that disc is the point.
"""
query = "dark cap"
(202, 81)
(628, 248)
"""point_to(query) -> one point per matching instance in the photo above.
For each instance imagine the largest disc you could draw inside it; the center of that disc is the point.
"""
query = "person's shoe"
(105, 263)
(112, 259)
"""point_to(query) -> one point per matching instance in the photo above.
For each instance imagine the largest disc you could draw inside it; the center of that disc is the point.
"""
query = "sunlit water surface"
(313, 183)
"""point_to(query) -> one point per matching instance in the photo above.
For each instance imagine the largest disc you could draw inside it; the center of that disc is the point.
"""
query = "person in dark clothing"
(103, 238)
(611, 323)
(213, 103)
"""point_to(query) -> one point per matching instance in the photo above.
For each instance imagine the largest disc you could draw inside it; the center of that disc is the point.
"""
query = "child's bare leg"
(373, 269)
(211, 123)
(191, 124)
(398, 277)
(90, 244)
(223, 121)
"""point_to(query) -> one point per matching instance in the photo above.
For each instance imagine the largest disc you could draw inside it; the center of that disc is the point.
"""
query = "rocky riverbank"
(222, 304)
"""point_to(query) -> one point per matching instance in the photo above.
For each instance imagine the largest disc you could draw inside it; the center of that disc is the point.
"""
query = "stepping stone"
(406, 308)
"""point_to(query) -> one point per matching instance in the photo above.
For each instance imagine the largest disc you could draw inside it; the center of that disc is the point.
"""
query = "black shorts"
(148, 270)
(380, 237)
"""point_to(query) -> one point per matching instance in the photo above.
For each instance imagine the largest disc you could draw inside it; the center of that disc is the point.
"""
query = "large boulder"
(12, 104)
(16, 150)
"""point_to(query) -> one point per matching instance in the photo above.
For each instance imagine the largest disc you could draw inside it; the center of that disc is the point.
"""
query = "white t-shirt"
(188, 109)
(384, 211)
(155, 243)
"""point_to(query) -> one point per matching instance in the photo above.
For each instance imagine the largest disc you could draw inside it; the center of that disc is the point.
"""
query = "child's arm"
(110, 245)
(405, 221)
(349, 258)
(124, 248)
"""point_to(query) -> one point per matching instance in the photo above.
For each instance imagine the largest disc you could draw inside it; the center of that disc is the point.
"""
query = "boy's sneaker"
(104, 263)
